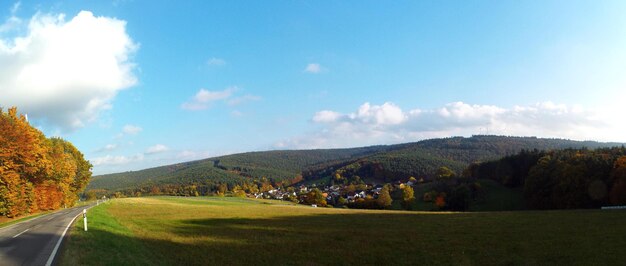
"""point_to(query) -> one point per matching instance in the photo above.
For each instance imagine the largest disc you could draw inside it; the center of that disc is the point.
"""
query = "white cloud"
(65, 72)
(131, 130)
(204, 98)
(108, 147)
(377, 115)
(116, 160)
(243, 99)
(388, 123)
(313, 68)
(15, 7)
(326, 116)
(157, 149)
(13, 22)
(216, 62)
(236, 113)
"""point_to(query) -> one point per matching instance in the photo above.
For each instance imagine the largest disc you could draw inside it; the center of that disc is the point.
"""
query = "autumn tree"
(384, 198)
(23, 160)
(37, 173)
(445, 173)
(315, 196)
(407, 197)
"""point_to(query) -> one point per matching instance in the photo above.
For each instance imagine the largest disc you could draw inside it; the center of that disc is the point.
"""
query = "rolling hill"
(376, 164)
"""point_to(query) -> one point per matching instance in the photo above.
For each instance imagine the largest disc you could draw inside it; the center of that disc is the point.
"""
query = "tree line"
(37, 173)
(561, 179)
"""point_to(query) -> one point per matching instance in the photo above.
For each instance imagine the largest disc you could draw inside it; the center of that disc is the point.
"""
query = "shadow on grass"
(584, 237)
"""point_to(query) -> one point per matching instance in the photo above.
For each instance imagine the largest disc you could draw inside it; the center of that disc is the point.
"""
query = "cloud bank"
(388, 123)
(65, 72)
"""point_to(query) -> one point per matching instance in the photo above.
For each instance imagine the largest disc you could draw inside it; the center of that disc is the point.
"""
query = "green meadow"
(236, 231)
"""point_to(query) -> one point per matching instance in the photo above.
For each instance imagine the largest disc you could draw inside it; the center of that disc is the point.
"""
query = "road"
(32, 242)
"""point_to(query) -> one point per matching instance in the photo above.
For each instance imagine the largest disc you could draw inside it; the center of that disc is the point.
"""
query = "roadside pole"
(85, 218)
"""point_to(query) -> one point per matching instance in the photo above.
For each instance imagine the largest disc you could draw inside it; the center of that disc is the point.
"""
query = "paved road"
(32, 242)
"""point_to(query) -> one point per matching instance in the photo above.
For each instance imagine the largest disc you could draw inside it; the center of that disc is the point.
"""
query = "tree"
(342, 201)
(384, 198)
(407, 197)
(445, 173)
(222, 189)
(90, 195)
(617, 195)
(459, 199)
(155, 190)
(539, 183)
(440, 201)
(315, 196)
(37, 173)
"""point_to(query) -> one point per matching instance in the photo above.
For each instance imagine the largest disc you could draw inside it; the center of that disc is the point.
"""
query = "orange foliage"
(36, 173)
(440, 201)
(48, 196)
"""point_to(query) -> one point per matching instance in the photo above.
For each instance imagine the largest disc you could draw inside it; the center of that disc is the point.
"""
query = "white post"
(85, 218)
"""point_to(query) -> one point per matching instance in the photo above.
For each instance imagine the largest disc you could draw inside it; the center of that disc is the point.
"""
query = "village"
(332, 195)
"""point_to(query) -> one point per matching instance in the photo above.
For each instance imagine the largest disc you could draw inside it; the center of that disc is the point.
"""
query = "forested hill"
(382, 163)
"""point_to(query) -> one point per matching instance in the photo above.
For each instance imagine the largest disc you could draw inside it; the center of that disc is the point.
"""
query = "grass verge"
(106, 242)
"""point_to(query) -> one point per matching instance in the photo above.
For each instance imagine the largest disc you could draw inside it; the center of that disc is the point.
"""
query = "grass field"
(233, 231)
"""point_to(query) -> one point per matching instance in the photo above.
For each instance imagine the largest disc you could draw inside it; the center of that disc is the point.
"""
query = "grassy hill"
(235, 231)
(382, 163)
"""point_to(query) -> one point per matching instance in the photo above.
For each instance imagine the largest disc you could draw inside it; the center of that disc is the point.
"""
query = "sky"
(135, 84)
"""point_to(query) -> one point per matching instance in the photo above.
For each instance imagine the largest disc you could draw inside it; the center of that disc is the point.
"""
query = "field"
(216, 231)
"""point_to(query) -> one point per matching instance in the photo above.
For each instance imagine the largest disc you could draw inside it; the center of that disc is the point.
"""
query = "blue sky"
(135, 84)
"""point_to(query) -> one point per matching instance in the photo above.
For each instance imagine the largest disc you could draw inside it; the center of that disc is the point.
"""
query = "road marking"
(20, 233)
(50, 218)
(56, 247)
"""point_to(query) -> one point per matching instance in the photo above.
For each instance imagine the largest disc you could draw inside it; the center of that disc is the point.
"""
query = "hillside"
(275, 165)
(382, 163)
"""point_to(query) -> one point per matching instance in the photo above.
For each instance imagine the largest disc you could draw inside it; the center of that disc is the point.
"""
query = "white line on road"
(20, 233)
(56, 248)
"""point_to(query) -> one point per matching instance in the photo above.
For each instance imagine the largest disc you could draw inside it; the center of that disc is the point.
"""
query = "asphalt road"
(32, 242)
